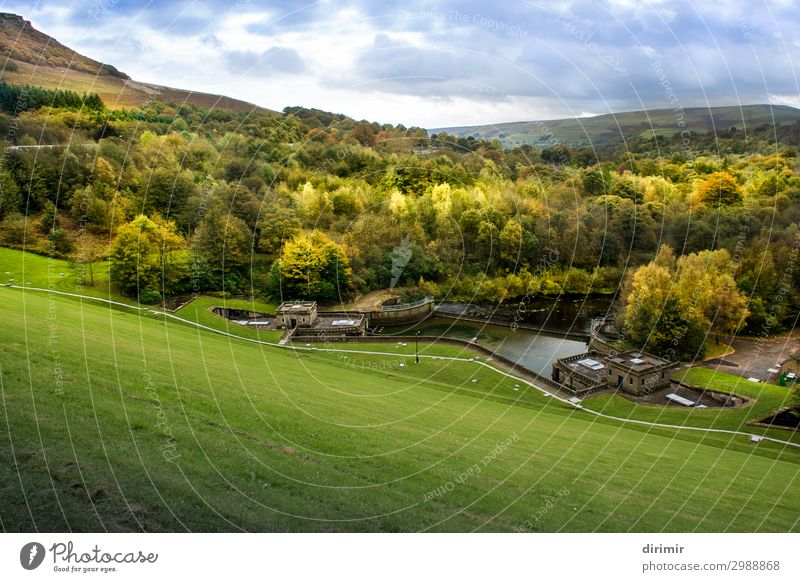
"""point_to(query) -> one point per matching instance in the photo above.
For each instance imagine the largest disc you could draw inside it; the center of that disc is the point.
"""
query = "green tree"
(134, 260)
(511, 243)
(223, 242)
(49, 219)
(59, 242)
(10, 196)
(558, 155)
(165, 190)
(88, 252)
(596, 182)
(626, 188)
(276, 226)
(675, 336)
(794, 400)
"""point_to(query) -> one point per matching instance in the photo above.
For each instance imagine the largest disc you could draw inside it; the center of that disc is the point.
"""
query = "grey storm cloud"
(274, 60)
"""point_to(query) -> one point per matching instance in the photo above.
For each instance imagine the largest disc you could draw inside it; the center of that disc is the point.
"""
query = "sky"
(438, 64)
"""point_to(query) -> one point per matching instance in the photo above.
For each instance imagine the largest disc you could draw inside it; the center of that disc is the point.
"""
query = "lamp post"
(416, 346)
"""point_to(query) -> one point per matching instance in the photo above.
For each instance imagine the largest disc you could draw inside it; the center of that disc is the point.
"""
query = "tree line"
(305, 204)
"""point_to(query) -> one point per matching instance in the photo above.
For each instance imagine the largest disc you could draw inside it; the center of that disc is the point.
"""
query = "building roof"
(297, 306)
(585, 365)
(638, 361)
(334, 322)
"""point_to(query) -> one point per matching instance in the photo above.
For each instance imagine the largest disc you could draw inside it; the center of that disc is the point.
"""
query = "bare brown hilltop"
(20, 42)
(29, 56)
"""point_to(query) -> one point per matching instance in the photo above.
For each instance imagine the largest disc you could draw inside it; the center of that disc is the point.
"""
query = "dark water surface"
(532, 349)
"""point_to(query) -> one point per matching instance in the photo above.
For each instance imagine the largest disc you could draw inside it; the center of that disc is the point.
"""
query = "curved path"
(575, 405)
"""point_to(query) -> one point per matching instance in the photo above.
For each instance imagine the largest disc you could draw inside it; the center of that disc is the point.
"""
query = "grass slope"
(601, 128)
(28, 269)
(765, 398)
(267, 439)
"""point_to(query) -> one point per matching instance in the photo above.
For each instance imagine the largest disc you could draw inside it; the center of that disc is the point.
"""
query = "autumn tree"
(719, 189)
(649, 288)
(670, 307)
(707, 290)
(148, 259)
(133, 257)
(311, 266)
(364, 134)
(313, 205)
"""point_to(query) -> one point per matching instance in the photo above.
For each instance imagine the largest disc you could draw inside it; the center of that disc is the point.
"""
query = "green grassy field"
(114, 420)
(28, 269)
(31, 270)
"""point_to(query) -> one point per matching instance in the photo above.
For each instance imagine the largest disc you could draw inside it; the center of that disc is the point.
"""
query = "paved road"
(753, 357)
(20, 148)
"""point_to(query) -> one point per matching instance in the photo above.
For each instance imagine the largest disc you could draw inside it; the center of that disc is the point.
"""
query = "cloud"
(445, 62)
(273, 61)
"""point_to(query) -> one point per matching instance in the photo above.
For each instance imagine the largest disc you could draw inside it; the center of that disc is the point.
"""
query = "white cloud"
(444, 63)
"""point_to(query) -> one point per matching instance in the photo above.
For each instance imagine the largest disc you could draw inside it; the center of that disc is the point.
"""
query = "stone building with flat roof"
(634, 371)
(298, 313)
(301, 321)
(582, 373)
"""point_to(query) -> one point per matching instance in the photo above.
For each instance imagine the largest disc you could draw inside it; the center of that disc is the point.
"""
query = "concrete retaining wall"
(398, 314)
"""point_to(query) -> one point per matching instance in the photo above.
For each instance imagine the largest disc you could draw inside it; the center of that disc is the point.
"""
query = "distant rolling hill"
(600, 129)
(28, 56)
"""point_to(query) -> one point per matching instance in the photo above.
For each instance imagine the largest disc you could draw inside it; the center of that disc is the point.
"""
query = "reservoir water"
(531, 349)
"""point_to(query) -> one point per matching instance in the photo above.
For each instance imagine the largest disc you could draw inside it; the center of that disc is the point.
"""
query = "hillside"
(203, 433)
(584, 131)
(28, 56)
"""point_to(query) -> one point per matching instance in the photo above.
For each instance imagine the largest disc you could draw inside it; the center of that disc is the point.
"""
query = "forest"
(693, 233)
